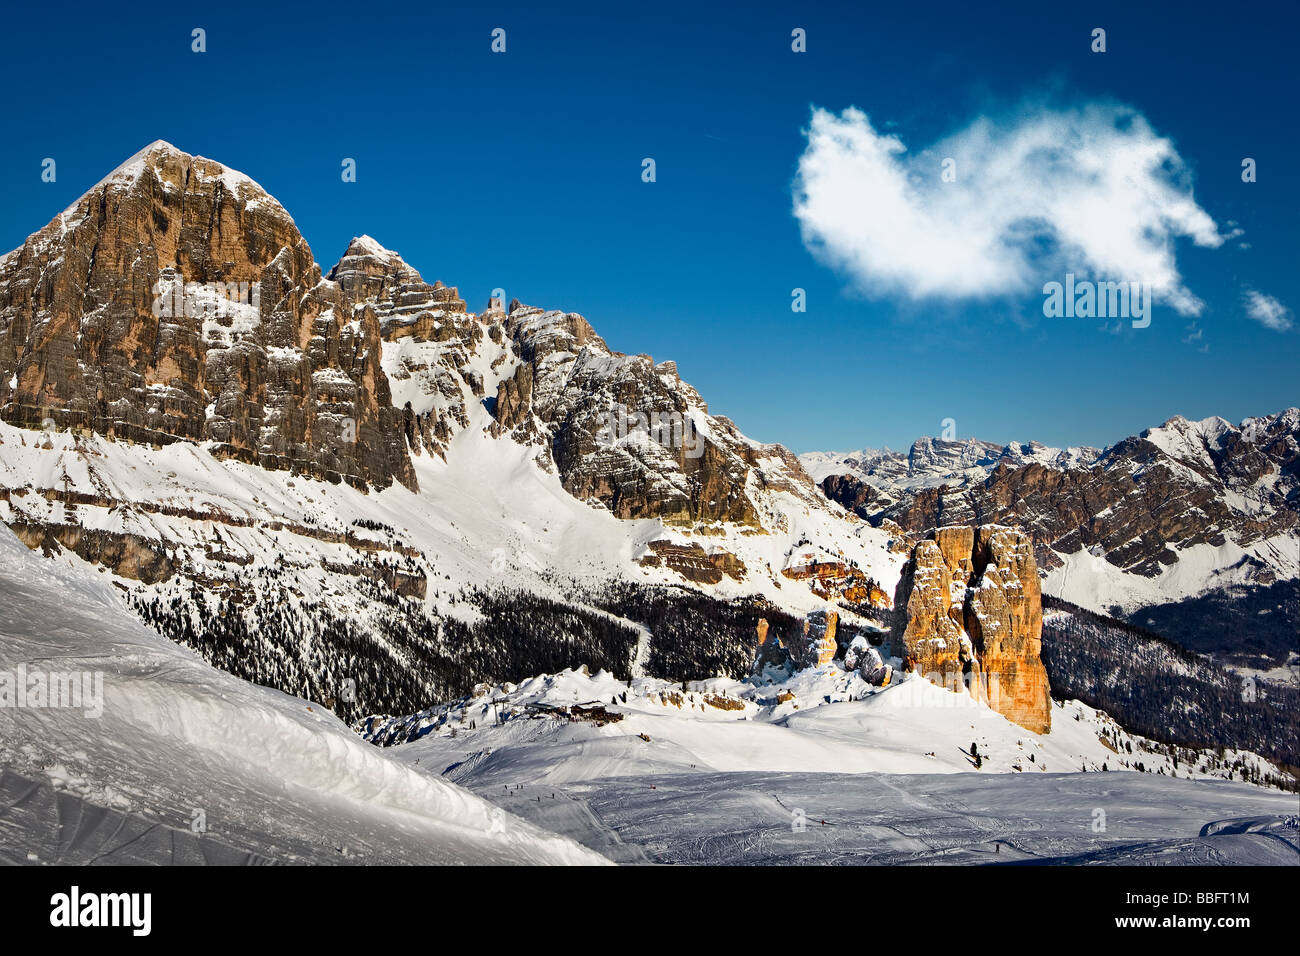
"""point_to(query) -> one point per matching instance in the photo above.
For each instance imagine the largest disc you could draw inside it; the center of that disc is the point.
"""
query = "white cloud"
(1267, 311)
(1092, 191)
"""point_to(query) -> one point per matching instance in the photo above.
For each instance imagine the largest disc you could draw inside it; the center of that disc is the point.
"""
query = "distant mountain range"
(1172, 513)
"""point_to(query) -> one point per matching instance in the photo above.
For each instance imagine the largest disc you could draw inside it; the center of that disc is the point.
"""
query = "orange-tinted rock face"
(932, 635)
(815, 645)
(1004, 617)
(836, 580)
(957, 546)
(178, 301)
(811, 645)
(768, 650)
(693, 563)
(971, 615)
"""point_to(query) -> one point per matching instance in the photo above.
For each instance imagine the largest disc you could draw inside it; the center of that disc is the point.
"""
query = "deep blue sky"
(523, 170)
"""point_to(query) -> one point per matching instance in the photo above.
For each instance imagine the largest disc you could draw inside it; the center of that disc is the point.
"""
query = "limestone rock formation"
(866, 660)
(810, 644)
(836, 580)
(176, 300)
(814, 645)
(693, 563)
(1004, 618)
(970, 618)
(630, 434)
(430, 342)
(768, 649)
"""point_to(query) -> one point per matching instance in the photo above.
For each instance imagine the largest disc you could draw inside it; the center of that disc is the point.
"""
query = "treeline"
(308, 650)
(1247, 625)
(521, 635)
(695, 636)
(1156, 688)
(388, 654)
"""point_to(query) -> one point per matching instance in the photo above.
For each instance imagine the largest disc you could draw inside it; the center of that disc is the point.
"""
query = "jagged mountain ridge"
(931, 462)
(480, 447)
(293, 380)
(1171, 513)
(557, 386)
(354, 476)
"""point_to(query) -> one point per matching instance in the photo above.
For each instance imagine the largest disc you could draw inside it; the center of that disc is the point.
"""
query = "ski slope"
(720, 771)
(181, 747)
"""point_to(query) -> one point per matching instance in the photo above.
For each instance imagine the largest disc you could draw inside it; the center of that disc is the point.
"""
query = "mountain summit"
(176, 300)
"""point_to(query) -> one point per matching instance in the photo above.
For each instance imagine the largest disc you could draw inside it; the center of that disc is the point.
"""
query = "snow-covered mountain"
(1172, 513)
(346, 485)
(932, 462)
(351, 477)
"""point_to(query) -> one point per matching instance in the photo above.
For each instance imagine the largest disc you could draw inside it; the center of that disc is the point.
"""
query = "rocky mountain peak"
(404, 303)
(176, 300)
(632, 435)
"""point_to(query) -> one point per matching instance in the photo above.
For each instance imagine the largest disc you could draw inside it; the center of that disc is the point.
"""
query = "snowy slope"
(487, 513)
(715, 772)
(907, 819)
(268, 772)
(485, 517)
(817, 720)
(1087, 579)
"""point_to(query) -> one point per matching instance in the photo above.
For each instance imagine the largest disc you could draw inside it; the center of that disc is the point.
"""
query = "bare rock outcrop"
(693, 563)
(810, 644)
(970, 617)
(834, 580)
(815, 645)
(430, 342)
(768, 649)
(1138, 504)
(630, 434)
(866, 660)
